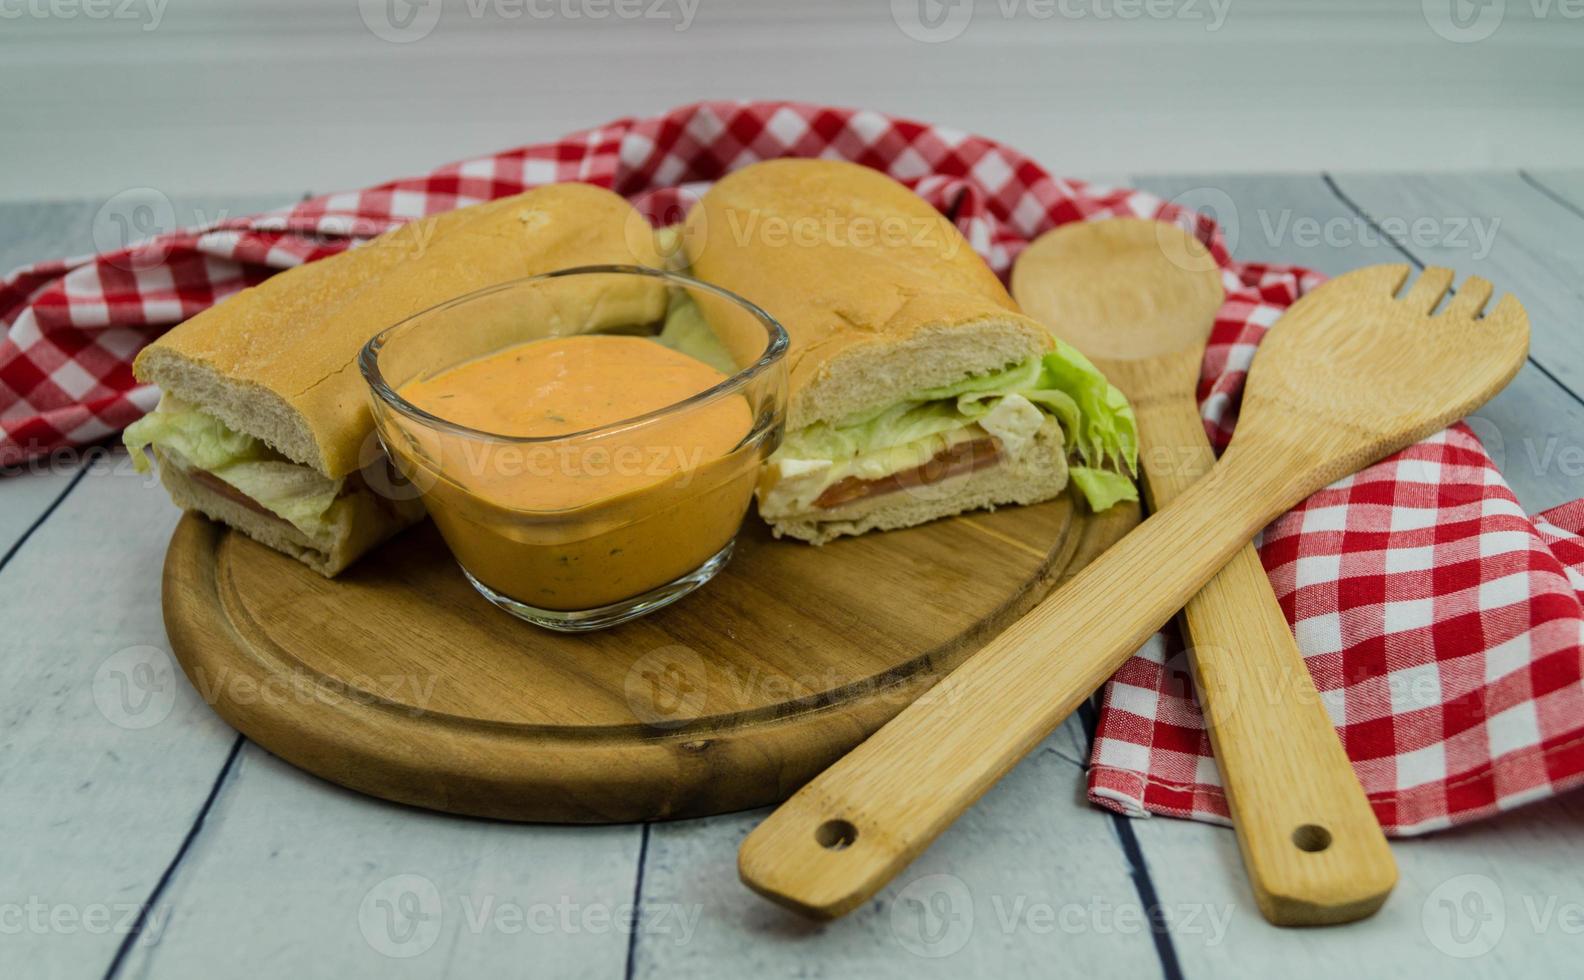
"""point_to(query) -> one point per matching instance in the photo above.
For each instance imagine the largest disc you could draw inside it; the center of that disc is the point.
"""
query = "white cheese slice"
(791, 485)
(1014, 422)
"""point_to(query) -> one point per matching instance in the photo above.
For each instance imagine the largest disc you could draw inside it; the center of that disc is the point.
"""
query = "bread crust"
(279, 361)
(880, 295)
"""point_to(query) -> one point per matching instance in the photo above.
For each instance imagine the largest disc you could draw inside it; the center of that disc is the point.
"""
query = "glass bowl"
(583, 529)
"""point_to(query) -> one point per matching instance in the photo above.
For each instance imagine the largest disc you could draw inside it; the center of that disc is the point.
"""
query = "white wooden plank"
(103, 744)
(1529, 246)
(1520, 865)
(693, 861)
(100, 833)
(1031, 882)
(1296, 220)
(1565, 186)
(1534, 429)
(1535, 432)
(34, 231)
(31, 231)
(293, 876)
(280, 835)
(26, 494)
(1499, 899)
(107, 754)
(1087, 90)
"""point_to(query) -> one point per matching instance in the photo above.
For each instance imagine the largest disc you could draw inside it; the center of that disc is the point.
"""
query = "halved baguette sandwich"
(264, 421)
(918, 389)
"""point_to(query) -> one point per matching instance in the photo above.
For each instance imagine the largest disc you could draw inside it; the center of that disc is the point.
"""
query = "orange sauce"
(575, 520)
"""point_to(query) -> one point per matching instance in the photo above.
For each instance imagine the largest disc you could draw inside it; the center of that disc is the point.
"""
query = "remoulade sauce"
(553, 515)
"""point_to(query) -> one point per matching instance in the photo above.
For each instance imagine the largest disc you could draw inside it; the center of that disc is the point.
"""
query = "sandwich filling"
(246, 471)
(239, 467)
(957, 429)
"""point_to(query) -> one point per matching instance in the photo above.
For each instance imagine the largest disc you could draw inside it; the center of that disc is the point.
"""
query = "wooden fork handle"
(1314, 851)
(841, 837)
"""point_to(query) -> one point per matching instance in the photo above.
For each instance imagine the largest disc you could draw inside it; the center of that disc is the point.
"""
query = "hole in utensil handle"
(835, 835)
(1312, 837)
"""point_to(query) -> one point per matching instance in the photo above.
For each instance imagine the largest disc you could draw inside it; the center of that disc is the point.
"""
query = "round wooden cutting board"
(398, 680)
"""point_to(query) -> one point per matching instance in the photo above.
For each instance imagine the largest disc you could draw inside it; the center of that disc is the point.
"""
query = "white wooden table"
(141, 837)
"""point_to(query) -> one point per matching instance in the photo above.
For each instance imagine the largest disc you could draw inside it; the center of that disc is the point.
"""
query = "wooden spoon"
(1139, 297)
(1351, 374)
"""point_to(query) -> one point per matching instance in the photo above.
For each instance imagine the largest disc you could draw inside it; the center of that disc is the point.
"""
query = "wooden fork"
(1352, 373)
(1139, 298)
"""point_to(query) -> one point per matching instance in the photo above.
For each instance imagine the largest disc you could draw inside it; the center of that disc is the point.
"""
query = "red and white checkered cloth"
(1443, 626)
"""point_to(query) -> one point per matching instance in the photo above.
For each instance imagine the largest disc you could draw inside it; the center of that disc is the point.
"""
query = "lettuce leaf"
(191, 438)
(1097, 423)
(687, 332)
(901, 424)
(1102, 488)
(1105, 435)
(197, 437)
(302, 496)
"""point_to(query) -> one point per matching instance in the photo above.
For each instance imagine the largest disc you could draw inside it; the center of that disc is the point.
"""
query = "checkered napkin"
(1443, 626)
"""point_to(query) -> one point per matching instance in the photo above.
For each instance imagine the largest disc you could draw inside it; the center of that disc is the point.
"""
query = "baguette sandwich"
(917, 388)
(264, 422)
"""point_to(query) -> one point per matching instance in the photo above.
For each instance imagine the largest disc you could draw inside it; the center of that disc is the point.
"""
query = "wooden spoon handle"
(841, 837)
(1314, 851)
